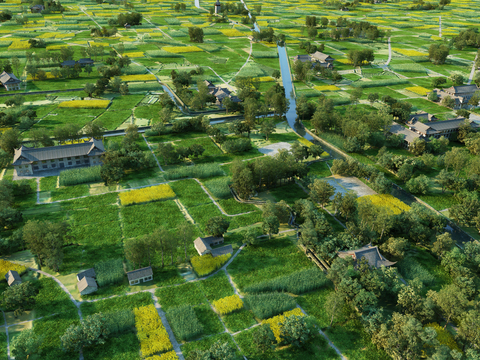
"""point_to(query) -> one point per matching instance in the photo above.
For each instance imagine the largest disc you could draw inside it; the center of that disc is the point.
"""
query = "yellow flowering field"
(49, 76)
(150, 331)
(228, 304)
(6, 266)
(409, 52)
(181, 49)
(85, 104)
(19, 45)
(326, 88)
(420, 90)
(204, 265)
(146, 77)
(152, 193)
(305, 142)
(231, 32)
(388, 201)
(435, 37)
(94, 43)
(134, 54)
(263, 79)
(277, 321)
(55, 47)
(171, 355)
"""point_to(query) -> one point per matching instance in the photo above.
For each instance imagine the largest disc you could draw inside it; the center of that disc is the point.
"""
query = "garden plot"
(344, 184)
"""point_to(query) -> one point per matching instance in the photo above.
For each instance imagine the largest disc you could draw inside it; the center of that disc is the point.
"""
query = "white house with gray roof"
(204, 246)
(9, 81)
(29, 161)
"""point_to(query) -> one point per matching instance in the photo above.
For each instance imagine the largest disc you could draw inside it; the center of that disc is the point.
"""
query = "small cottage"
(369, 253)
(87, 285)
(13, 278)
(141, 275)
(87, 273)
(9, 81)
(204, 246)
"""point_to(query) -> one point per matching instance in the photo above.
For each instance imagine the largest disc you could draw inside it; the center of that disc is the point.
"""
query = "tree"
(443, 244)
(438, 53)
(186, 233)
(451, 301)
(355, 95)
(373, 97)
(124, 89)
(457, 159)
(94, 129)
(457, 79)
(437, 81)
(89, 88)
(468, 328)
(45, 240)
(448, 101)
(267, 127)
(243, 183)
(295, 331)
(264, 339)
(92, 330)
(395, 247)
(321, 191)
(299, 151)
(419, 184)
(412, 303)
(20, 297)
(417, 146)
(217, 226)
(345, 205)
(115, 83)
(276, 74)
(334, 305)
(26, 344)
(217, 351)
(270, 225)
(196, 34)
(10, 140)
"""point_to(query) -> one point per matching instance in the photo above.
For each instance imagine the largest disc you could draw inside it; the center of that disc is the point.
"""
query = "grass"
(3, 346)
(239, 320)
(233, 207)
(123, 347)
(216, 287)
(319, 169)
(52, 299)
(206, 343)
(209, 320)
(266, 261)
(188, 294)
(117, 303)
(289, 193)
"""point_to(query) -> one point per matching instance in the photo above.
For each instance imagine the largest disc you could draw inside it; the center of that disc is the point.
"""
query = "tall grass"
(120, 321)
(185, 323)
(267, 305)
(197, 171)
(80, 176)
(376, 83)
(109, 272)
(410, 269)
(297, 283)
(219, 187)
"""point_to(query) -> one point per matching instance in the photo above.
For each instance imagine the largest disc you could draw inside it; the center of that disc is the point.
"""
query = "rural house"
(81, 62)
(220, 93)
(322, 59)
(204, 246)
(9, 81)
(87, 285)
(87, 273)
(461, 94)
(37, 8)
(141, 275)
(368, 252)
(13, 278)
(29, 161)
(422, 117)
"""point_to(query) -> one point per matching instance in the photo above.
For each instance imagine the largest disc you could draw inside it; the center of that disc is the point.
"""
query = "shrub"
(270, 304)
(80, 176)
(85, 104)
(109, 272)
(6, 266)
(150, 331)
(204, 265)
(228, 304)
(185, 323)
(410, 269)
(198, 171)
(152, 193)
(297, 283)
(119, 321)
(277, 321)
(237, 145)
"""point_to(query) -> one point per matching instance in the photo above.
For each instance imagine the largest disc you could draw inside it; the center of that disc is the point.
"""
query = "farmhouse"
(87, 273)
(141, 275)
(220, 93)
(82, 62)
(461, 94)
(204, 246)
(87, 285)
(432, 129)
(422, 117)
(37, 8)
(368, 252)
(13, 278)
(319, 58)
(9, 81)
(28, 161)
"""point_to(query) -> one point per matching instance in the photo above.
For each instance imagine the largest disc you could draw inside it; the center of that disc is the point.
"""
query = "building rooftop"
(368, 252)
(85, 283)
(12, 276)
(140, 273)
(8, 78)
(87, 273)
(407, 134)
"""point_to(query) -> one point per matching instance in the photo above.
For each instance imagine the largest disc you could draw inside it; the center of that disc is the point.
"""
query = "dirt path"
(150, 148)
(6, 332)
(472, 73)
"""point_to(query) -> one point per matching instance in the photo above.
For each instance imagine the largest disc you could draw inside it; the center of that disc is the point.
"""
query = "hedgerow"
(80, 176)
(184, 323)
(267, 305)
(150, 331)
(297, 283)
(228, 304)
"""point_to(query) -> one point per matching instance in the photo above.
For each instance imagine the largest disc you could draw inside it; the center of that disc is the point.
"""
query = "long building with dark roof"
(28, 161)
